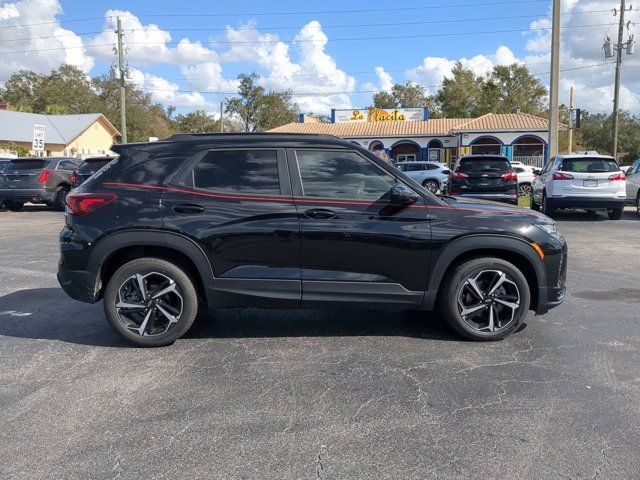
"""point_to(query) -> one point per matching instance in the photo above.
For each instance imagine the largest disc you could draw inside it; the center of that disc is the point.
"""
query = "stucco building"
(64, 135)
(409, 134)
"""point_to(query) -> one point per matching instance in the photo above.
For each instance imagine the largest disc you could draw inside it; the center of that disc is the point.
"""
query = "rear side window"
(93, 165)
(238, 171)
(484, 165)
(589, 165)
(25, 165)
(66, 165)
(411, 167)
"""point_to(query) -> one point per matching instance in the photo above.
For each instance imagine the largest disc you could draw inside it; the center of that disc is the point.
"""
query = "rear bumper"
(78, 284)
(36, 195)
(495, 197)
(585, 202)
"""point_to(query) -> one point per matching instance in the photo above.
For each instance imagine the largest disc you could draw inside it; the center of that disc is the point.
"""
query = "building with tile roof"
(519, 136)
(64, 135)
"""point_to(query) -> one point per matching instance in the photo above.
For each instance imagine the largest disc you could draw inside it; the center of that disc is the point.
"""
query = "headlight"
(550, 228)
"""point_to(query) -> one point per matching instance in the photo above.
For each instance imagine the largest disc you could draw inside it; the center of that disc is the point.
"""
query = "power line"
(320, 27)
(344, 39)
(316, 12)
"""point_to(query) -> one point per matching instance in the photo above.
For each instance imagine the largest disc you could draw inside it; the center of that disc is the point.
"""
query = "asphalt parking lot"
(322, 394)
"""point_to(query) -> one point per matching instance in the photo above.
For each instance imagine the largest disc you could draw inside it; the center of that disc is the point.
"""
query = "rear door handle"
(319, 213)
(188, 208)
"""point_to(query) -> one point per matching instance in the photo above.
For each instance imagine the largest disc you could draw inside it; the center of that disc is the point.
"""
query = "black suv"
(487, 177)
(289, 221)
(37, 180)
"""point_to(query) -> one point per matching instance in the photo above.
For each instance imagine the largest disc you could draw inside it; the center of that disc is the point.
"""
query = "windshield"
(484, 165)
(589, 165)
(411, 167)
(19, 165)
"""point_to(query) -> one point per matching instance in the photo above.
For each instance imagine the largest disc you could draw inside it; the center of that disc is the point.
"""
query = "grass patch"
(524, 202)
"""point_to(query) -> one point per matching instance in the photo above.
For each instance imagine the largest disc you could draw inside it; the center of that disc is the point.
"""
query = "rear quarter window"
(93, 165)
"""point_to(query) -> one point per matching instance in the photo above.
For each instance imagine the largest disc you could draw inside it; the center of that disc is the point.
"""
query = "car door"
(539, 182)
(633, 181)
(356, 246)
(236, 204)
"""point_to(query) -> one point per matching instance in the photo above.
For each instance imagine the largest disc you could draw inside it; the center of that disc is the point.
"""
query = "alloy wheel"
(431, 186)
(149, 304)
(488, 301)
(524, 191)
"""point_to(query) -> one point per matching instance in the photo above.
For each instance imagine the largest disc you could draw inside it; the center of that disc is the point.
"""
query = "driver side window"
(342, 175)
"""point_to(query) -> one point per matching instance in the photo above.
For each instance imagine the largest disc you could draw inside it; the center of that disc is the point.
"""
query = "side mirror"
(536, 171)
(401, 195)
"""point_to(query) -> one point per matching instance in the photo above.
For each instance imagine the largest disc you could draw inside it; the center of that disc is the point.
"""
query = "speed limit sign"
(38, 137)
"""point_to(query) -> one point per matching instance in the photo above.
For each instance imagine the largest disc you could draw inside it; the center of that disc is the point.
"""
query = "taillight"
(83, 203)
(562, 176)
(74, 179)
(458, 175)
(44, 176)
(510, 175)
(616, 177)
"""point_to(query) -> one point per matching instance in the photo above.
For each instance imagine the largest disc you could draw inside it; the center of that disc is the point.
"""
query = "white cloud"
(166, 92)
(384, 78)
(22, 23)
(208, 77)
(146, 44)
(304, 68)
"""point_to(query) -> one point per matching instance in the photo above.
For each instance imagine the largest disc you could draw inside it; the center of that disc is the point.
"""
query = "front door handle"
(188, 208)
(319, 213)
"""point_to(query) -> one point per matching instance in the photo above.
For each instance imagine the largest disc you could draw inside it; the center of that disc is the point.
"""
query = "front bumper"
(35, 195)
(586, 202)
(553, 293)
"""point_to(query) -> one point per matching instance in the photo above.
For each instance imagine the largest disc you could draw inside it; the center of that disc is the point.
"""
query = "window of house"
(238, 171)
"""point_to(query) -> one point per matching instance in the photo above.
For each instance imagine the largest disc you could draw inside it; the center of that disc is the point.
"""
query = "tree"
(460, 94)
(508, 88)
(259, 110)
(402, 96)
(197, 121)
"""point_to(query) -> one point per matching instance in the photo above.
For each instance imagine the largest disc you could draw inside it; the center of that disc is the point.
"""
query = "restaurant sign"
(373, 114)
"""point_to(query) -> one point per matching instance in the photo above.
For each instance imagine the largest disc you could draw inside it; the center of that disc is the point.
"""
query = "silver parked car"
(633, 185)
(431, 175)
(38, 180)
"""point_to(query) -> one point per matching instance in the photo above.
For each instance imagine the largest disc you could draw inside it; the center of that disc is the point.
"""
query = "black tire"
(546, 209)
(13, 205)
(534, 205)
(431, 185)
(59, 202)
(149, 266)
(615, 214)
(524, 190)
(638, 204)
(453, 289)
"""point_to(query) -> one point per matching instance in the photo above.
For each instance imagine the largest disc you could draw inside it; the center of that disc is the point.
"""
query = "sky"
(330, 53)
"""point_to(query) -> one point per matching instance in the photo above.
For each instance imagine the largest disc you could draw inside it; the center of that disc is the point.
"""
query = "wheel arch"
(118, 248)
(512, 249)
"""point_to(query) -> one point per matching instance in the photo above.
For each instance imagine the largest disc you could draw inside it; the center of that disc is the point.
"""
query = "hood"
(471, 207)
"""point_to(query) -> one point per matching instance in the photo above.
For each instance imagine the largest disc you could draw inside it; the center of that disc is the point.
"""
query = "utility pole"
(221, 117)
(555, 74)
(616, 92)
(122, 70)
(571, 125)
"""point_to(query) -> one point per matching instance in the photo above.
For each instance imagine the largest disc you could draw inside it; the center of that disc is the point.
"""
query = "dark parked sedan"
(485, 177)
(37, 180)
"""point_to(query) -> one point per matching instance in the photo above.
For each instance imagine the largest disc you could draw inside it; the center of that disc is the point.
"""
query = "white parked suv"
(633, 185)
(525, 175)
(431, 175)
(580, 180)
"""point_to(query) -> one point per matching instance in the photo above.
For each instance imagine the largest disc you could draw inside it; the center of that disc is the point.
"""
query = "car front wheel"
(546, 208)
(150, 302)
(485, 299)
(638, 204)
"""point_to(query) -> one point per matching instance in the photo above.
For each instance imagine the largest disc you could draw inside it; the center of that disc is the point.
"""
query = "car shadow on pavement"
(598, 216)
(47, 313)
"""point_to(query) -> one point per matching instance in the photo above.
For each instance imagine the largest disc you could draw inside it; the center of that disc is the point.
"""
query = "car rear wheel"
(534, 205)
(546, 208)
(615, 214)
(431, 185)
(150, 302)
(13, 206)
(524, 190)
(485, 299)
(638, 204)
(61, 198)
